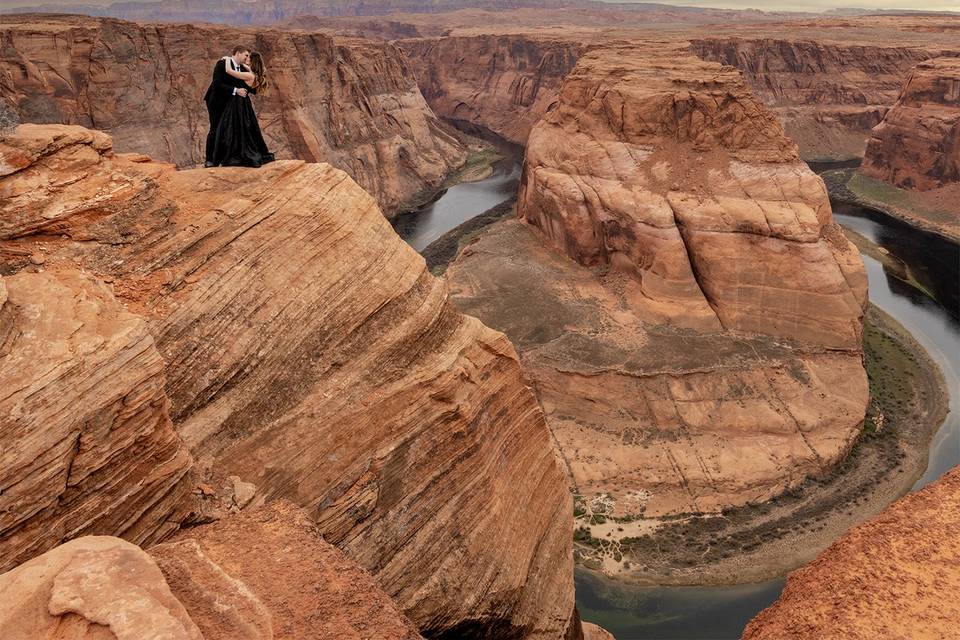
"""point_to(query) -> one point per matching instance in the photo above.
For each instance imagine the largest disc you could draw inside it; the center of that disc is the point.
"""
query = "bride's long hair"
(261, 81)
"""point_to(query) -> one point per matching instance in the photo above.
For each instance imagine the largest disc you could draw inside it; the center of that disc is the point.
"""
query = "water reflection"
(458, 204)
(631, 613)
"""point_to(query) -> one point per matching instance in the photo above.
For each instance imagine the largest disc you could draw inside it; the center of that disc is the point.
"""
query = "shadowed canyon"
(654, 342)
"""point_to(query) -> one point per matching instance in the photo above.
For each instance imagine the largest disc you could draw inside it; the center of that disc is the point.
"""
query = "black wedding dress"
(238, 141)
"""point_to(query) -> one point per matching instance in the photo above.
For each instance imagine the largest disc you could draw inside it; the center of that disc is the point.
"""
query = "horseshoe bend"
(663, 352)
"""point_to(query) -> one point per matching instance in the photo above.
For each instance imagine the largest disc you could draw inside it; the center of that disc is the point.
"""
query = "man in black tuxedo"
(221, 88)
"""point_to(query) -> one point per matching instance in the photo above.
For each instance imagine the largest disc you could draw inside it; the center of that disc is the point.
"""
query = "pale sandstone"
(917, 146)
(351, 103)
(311, 354)
(92, 588)
(87, 442)
(895, 576)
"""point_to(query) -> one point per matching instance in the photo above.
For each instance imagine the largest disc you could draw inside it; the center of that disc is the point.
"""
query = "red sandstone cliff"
(353, 104)
(917, 146)
(502, 82)
(895, 576)
(691, 315)
(827, 95)
(309, 354)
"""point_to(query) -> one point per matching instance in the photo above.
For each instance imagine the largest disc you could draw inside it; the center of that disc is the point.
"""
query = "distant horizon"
(811, 6)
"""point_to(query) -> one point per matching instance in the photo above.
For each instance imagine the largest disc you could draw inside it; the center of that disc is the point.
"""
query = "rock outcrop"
(256, 576)
(504, 83)
(827, 95)
(87, 442)
(694, 328)
(95, 588)
(351, 103)
(310, 354)
(268, 573)
(894, 576)
(917, 146)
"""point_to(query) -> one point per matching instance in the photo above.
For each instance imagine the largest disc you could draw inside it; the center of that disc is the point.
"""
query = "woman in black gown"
(238, 141)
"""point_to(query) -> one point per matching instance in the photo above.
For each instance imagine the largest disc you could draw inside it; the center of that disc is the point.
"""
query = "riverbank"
(936, 212)
(909, 401)
(442, 251)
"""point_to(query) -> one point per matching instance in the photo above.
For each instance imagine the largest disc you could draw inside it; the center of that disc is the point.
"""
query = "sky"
(824, 5)
(779, 5)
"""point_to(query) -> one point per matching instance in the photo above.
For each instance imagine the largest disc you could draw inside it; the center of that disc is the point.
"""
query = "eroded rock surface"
(689, 313)
(894, 576)
(502, 82)
(351, 103)
(268, 573)
(309, 353)
(917, 146)
(87, 442)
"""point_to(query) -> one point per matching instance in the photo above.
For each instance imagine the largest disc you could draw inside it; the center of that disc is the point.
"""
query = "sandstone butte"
(258, 575)
(917, 146)
(688, 311)
(299, 349)
(895, 576)
(352, 103)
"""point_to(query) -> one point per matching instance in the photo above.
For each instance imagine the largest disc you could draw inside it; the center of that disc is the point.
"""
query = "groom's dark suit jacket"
(221, 87)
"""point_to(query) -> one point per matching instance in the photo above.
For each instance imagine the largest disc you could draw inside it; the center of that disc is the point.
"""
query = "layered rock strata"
(894, 576)
(87, 442)
(917, 146)
(827, 95)
(351, 103)
(504, 83)
(688, 310)
(256, 576)
(310, 354)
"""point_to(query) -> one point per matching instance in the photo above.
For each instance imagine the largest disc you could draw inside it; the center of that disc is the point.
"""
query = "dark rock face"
(504, 83)
(917, 146)
(828, 96)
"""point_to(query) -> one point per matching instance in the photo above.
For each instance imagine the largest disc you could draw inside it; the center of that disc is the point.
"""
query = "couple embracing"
(235, 139)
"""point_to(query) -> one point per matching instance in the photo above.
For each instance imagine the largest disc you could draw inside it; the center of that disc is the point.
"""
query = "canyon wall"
(917, 146)
(690, 314)
(502, 82)
(310, 356)
(827, 95)
(894, 576)
(354, 104)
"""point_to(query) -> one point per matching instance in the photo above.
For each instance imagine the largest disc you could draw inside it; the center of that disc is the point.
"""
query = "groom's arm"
(220, 78)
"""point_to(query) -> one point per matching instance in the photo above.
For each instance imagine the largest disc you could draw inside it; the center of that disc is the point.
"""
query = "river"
(718, 613)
